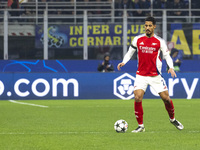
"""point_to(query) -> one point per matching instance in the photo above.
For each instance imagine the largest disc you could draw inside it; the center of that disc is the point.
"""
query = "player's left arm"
(168, 58)
(173, 73)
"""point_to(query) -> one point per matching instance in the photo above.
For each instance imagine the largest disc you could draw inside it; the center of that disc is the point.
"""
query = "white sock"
(141, 125)
(172, 120)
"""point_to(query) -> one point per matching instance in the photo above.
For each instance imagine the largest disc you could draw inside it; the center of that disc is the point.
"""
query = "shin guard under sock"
(170, 109)
(139, 112)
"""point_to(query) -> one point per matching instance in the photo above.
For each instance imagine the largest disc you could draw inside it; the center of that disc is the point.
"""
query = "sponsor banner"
(70, 36)
(185, 37)
(25, 86)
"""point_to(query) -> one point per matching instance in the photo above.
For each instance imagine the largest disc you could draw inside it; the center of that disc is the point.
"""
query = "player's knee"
(138, 98)
(166, 98)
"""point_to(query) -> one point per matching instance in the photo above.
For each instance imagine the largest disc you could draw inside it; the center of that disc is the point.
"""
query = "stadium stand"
(29, 13)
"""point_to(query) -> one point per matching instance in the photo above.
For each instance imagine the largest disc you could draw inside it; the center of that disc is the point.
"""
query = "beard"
(148, 33)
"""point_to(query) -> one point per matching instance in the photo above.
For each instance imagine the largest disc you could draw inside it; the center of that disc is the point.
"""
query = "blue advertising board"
(71, 66)
(25, 86)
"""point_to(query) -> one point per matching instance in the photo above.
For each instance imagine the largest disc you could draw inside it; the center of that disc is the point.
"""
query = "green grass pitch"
(89, 125)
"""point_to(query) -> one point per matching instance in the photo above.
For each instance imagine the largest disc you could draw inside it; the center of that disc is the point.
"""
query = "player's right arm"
(127, 57)
(129, 54)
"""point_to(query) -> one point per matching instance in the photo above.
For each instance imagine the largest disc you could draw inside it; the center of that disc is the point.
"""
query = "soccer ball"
(121, 126)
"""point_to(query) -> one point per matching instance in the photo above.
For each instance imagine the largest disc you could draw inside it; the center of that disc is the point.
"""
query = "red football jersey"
(149, 61)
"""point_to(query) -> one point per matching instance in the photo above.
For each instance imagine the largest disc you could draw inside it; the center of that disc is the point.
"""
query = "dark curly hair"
(152, 19)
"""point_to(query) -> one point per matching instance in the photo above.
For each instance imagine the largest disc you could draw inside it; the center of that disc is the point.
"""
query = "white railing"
(49, 13)
(73, 11)
(85, 24)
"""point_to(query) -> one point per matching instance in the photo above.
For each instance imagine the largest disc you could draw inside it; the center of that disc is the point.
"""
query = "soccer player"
(149, 46)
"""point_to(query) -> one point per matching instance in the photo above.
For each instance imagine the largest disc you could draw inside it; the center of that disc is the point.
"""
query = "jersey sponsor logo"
(146, 49)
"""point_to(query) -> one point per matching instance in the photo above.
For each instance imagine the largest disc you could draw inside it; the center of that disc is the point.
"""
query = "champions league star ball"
(121, 126)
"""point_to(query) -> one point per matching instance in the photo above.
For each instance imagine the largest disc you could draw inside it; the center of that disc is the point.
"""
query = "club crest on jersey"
(154, 44)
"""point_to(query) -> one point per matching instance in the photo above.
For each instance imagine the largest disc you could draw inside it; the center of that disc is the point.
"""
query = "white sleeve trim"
(166, 55)
(128, 55)
(169, 61)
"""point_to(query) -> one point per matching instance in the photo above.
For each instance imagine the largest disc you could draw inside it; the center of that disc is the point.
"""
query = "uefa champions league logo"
(123, 86)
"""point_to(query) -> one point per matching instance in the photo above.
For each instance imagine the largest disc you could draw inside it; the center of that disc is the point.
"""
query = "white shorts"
(156, 82)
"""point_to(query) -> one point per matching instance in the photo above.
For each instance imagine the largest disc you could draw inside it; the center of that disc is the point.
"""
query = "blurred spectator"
(159, 4)
(177, 5)
(146, 4)
(177, 56)
(195, 4)
(42, 6)
(109, 6)
(106, 65)
(108, 12)
(27, 12)
(186, 3)
(57, 8)
(84, 6)
(10, 2)
(14, 4)
(117, 3)
(137, 5)
(123, 4)
(99, 11)
(71, 12)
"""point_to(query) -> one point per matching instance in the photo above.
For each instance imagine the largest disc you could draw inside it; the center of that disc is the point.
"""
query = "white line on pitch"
(89, 132)
(28, 104)
(53, 133)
